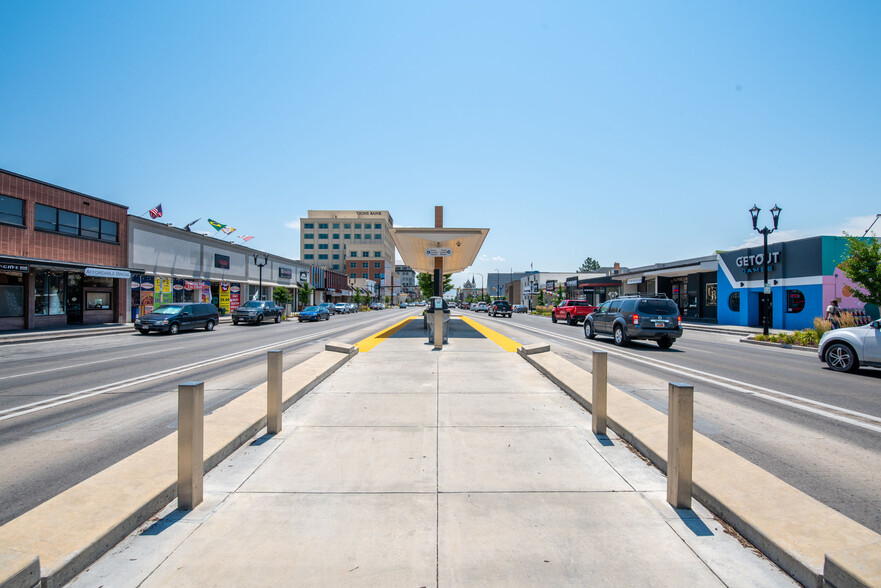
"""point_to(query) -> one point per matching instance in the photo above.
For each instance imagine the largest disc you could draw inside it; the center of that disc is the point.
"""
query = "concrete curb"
(76, 527)
(791, 528)
(780, 345)
(18, 570)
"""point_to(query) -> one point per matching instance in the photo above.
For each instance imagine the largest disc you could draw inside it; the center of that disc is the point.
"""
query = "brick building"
(63, 256)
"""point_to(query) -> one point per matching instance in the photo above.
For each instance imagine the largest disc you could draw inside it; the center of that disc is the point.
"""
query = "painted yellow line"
(497, 338)
(372, 341)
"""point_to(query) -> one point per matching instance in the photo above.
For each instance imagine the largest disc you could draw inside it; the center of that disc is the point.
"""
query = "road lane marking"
(837, 413)
(87, 363)
(365, 345)
(504, 342)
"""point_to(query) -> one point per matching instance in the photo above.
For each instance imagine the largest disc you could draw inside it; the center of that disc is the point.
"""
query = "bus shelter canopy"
(414, 244)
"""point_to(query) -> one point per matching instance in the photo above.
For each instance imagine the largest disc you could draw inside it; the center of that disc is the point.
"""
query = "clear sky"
(635, 131)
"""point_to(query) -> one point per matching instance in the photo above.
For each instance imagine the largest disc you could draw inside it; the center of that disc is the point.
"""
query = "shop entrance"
(763, 301)
(74, 299)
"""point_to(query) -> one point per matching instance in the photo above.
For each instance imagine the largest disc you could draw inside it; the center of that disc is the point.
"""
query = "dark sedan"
(313, 313)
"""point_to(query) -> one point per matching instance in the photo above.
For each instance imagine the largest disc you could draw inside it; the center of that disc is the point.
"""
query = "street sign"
(767, 288)
(439, 252)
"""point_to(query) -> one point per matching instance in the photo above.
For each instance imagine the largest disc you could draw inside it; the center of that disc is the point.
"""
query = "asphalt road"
(70, 408)
(782, 409)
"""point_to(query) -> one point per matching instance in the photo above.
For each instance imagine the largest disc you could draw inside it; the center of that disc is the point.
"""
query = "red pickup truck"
(572, 311)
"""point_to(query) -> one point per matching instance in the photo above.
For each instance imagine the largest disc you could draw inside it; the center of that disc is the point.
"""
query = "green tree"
(862, 265)
(357, 297)
(560, 293)
(388, 299)
(425, 283)
(280, 295)
(589, 265)
(541, 297)
(303, 295)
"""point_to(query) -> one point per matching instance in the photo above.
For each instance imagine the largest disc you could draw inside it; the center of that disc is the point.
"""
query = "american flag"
(245, 238)
(156, 212)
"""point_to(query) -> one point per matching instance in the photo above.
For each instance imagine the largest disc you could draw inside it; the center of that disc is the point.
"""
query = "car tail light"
(635, 319)
(679, 319)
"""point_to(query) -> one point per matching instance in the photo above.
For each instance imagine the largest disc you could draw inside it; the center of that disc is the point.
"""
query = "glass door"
(74, 299)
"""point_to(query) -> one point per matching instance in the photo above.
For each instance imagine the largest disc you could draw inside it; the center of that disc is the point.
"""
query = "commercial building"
(175, 265)
(63, 256)
(352, 242)
(406, 277)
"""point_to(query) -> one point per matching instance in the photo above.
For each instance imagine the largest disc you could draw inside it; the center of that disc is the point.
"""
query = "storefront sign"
(221, 261)
(635, 280)
(223, 299)
(755, 263)
(107, 273)
(235, 297)
(13, 267)
(304, 276)
(550, 285)
(285, 273)
(712, 294)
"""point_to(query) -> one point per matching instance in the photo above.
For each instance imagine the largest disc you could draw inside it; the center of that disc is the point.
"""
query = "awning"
(414, 244)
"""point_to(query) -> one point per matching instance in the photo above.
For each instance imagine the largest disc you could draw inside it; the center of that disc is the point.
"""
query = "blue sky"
(636, 132)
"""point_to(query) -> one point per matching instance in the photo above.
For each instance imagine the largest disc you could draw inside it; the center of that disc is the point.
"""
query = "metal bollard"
(680, 443)
(273, 391)
(190, 433)
(598, 406)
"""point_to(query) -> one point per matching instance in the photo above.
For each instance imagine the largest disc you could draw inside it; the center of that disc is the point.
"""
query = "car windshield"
(168, 310)
(252, 304)
(579, 303)
(663, 307)
(311, 309)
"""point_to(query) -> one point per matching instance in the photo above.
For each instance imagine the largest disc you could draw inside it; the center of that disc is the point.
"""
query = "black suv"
(646, 316)
(257, 311)
(179, 316)
(500, 307)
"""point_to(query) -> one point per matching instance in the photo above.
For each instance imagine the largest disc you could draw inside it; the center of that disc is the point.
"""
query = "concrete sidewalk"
(415, 467)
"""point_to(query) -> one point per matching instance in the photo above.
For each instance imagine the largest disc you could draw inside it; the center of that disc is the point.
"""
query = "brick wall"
(27, 242)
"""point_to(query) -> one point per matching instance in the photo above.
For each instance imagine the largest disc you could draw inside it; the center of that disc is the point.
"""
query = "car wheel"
(235, 321)
(620, 336)
(209, 326)
(259, 319)
(553, 318)
(665, 342)
(277, 318)
(299, 320)
(173, 329)
(588, 330)
(144, 331)
(841, 357)
(569, 320)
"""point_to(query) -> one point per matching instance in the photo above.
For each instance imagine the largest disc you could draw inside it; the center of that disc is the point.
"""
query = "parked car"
(500, 307)
(181, 316)
(845, 350)
(257, 311)
(652, 316)
(331, 308)
(342, 308)
(313, 313)
(572, 311)
(519, 308)
(353, 307)
(481, 307)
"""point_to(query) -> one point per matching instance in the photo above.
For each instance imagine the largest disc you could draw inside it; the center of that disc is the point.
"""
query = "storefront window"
(98, 300)
(11, 296)
(93, 282)
(48, 294)
(795, 301)
(734, 302)
(11, 210)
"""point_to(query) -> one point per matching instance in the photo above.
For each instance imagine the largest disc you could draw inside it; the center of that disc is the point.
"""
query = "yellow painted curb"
(497, 338)
(365, 345)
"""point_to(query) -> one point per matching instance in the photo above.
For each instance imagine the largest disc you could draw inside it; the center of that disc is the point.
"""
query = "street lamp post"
(775, 214)
(261, 266)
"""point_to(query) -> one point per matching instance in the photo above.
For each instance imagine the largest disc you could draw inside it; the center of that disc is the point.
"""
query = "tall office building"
(354, 242)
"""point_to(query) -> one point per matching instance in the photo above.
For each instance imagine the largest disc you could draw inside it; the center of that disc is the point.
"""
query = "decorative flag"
(187, 227)
(156, 212)
(217, 226)
(228, 230)
(245, 238)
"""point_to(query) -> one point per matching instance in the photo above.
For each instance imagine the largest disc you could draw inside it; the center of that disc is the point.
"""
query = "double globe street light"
(775, 213)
